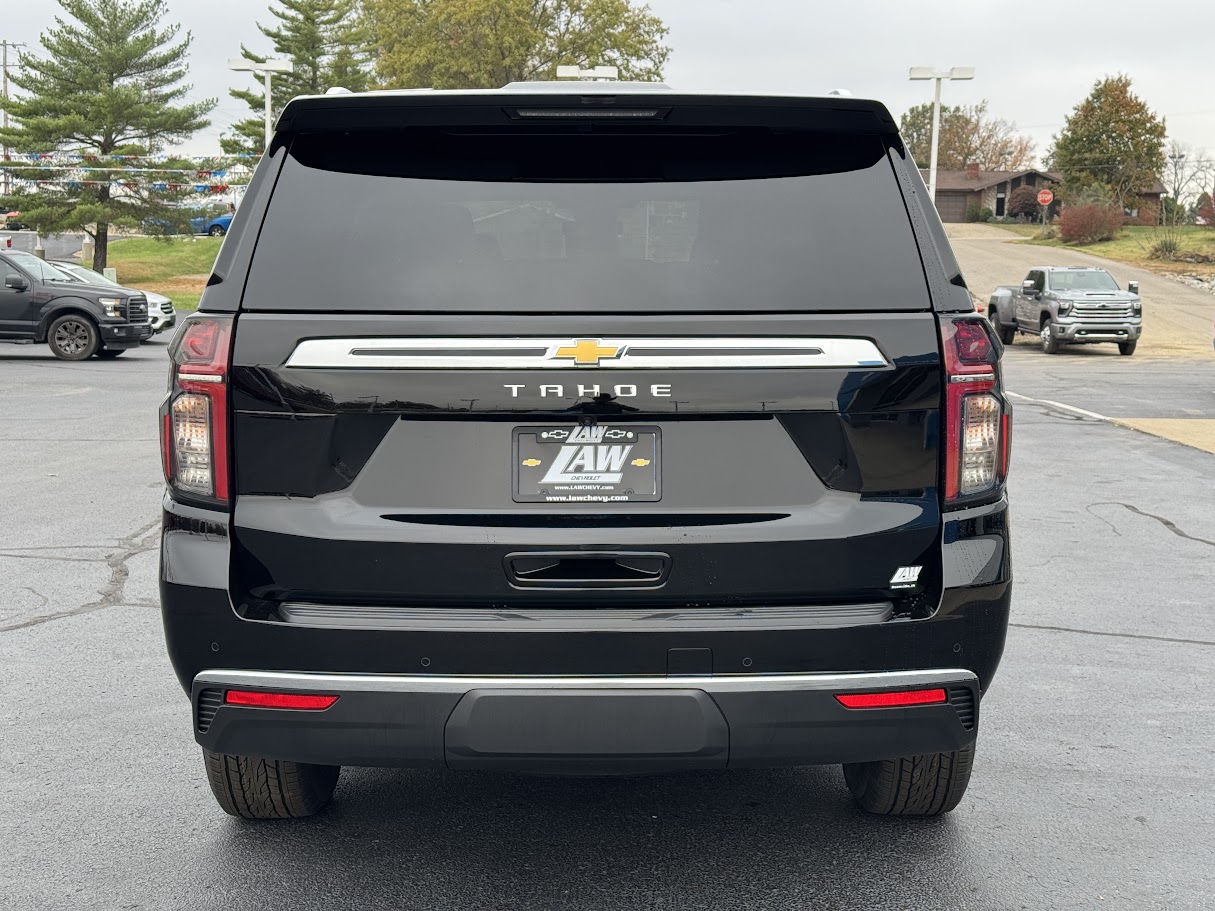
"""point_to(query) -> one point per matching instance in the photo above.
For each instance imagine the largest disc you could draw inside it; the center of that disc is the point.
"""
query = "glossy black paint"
(965, 628)
(857, 454)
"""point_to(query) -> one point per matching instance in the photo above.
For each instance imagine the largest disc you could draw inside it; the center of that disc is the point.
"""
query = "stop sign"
(1045, 197)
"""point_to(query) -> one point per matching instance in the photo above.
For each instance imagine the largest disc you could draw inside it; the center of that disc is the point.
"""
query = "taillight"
(195, 431)
(977, 421)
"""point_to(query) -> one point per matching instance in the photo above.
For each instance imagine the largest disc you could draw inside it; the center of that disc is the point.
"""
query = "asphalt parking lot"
(1092, 786)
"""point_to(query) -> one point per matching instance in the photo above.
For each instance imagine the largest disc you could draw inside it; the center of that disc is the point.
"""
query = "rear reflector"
(891, 700)
(278, 700)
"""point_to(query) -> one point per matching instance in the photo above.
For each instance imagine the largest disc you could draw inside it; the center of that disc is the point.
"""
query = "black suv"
(41, 303)
(603, 429)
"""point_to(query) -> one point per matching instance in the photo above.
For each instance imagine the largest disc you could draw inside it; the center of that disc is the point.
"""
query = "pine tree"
(326, 41)
(109, 84)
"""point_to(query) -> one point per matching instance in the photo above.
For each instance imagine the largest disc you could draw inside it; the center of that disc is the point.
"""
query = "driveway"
(1177, 319)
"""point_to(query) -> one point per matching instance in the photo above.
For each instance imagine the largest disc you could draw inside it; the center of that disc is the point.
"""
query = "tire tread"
(254, 788)
(926, 785)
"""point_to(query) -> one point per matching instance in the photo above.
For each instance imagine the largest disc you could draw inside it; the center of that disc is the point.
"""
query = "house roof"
(957, 181)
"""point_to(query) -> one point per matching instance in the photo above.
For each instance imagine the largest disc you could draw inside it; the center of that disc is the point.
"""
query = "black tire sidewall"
(90, 328)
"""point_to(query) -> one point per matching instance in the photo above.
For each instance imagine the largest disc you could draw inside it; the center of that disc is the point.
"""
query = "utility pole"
(4, 46)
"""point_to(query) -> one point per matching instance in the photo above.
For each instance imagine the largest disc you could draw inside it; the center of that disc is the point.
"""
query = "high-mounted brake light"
(260, 699)
(976, 419)
(891, 700)
(195, 431)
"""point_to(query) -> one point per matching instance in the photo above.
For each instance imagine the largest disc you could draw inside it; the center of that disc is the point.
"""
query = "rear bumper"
(585, 725)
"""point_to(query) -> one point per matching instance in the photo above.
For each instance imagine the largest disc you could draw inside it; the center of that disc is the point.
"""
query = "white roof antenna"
(338, 90)
(843, 93)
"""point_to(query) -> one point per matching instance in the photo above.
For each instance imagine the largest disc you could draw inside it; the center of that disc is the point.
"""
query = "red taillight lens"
(976, 418)
(196, 426)
(258, 699)
(891, 700)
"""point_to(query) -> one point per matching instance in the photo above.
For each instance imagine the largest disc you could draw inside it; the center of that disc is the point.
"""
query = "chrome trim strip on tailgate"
(531, 620)
(563, 354)
(285, 681)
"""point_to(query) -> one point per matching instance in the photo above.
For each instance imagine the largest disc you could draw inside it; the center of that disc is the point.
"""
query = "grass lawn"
(177, 267)
(1134, 244)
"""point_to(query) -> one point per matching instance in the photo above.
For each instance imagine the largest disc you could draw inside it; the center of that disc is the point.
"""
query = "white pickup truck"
(1068, 305)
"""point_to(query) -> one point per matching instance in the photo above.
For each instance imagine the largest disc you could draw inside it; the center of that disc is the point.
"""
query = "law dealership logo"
(905, 577)
(586, 459)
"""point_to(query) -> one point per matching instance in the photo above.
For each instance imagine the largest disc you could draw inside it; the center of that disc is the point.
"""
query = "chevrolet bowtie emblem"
(531, 463)
(588, 352)
(640, 463)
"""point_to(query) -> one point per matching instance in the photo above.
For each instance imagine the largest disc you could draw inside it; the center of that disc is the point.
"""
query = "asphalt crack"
(1167, 523)
(1095, 632)
(137, 542)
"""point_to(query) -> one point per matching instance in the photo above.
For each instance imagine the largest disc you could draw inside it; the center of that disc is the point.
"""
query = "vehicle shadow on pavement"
(764, 838)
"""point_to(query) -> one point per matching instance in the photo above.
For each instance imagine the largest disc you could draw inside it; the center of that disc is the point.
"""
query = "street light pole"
(4, 46)
(939, 76)
(266, 68)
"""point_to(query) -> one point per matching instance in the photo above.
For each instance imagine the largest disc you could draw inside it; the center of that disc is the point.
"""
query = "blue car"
(216, 227)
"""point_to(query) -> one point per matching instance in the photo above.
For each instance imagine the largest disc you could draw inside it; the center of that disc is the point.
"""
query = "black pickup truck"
(41, 303)
(602, 429)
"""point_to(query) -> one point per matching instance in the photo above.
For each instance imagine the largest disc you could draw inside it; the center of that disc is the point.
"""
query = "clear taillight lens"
(976, 438)
(191, 435)
(981, 420)
(195, 430)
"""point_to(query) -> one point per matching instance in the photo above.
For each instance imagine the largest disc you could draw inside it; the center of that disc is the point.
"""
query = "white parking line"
(1072, 408)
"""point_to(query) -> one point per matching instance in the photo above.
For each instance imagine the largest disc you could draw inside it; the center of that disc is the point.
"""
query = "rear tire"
(269, 788)
(73, 338)
(913, 785)
(1050, 342)
(1127, 348)
(1006, 334)
(216, 231)
(111, 352)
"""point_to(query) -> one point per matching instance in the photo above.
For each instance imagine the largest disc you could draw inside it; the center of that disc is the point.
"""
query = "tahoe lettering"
(621, 391)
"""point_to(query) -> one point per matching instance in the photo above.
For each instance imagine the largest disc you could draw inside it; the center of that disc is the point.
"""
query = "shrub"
(1089, 224)
(1023, 201)
(986, 214)
(972, 212)
(1165, 248)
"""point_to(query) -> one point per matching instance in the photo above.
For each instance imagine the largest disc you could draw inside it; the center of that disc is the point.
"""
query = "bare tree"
(1187, 172)
(969, 134)
(995, 143)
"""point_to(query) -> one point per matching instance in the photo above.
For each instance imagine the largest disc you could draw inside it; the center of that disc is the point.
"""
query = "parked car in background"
(216, 226)
(1071, 305)
(12, 222)
(160, 308)
(39, 302)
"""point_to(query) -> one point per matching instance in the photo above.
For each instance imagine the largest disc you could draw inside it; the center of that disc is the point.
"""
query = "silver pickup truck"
(1068, 305)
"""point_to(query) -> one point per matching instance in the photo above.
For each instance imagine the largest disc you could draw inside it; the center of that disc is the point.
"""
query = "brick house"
(958, 191)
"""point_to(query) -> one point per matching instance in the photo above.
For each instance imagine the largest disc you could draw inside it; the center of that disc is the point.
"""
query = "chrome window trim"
(619, 353)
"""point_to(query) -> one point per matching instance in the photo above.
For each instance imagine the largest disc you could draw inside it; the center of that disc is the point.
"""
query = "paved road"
(58, 246)
(1177, 319)
(1092, 786)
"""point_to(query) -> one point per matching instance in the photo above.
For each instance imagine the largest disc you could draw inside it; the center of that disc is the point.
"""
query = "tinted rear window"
(423, 220)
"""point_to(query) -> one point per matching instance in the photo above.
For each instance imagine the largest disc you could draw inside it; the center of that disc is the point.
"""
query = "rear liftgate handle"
(587, 569)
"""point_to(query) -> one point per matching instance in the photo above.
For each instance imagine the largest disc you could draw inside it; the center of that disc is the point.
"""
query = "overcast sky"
(1034, 60)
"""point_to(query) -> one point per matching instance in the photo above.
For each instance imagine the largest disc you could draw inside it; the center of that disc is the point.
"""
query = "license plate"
(598, 463)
